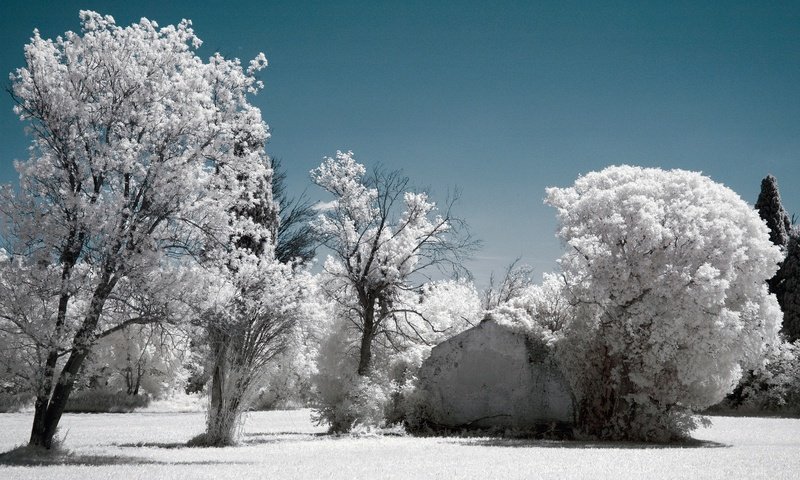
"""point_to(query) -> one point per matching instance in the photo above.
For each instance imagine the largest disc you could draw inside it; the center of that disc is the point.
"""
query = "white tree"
(132, 136)
(544, 304)
(381, 236)
(665, 272)
(517, 278)
(440, 309)
(288, 382)
(246, 332)
(139, 359)
(385, 241)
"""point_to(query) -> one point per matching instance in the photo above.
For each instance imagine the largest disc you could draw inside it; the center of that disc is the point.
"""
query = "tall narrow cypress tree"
(771, 210)
(786, 282)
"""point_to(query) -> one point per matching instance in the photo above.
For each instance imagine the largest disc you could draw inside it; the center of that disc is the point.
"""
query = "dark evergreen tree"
(771, 211)
(788, 288)
(786, 283)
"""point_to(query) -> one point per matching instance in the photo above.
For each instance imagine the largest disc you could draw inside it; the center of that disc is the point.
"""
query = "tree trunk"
(365, 353)
(40, 410)
(139, 375)
(220, 425)
(46, 419)
(43, 395)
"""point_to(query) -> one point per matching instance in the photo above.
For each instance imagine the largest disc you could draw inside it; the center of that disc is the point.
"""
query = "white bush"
(665, 273)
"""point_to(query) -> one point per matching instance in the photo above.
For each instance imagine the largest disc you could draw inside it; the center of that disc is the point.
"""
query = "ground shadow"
(256, 438)
(532, 443)
(166, 445)
(282, 437)
(35, 457)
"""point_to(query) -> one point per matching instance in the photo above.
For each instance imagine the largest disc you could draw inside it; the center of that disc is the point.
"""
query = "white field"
(285, 444)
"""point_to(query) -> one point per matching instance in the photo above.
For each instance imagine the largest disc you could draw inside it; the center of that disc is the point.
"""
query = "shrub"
(104, 401)
(346, 399)
(665, 273)
(14, 402)
(771, 388)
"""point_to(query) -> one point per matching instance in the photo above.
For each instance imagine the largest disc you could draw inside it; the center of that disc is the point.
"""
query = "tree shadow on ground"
(26, 456)
(532, 443)
(166, 445)
(282, 437)
(257, 438)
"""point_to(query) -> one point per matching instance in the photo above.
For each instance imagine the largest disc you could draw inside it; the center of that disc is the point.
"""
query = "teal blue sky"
(501, 99)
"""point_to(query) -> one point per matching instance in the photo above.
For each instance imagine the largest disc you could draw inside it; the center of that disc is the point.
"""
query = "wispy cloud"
(324, 206)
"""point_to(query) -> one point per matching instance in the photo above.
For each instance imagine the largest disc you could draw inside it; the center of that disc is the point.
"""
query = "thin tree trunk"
(139, 375)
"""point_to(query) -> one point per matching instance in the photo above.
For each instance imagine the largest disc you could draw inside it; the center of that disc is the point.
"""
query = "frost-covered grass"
(285, 444)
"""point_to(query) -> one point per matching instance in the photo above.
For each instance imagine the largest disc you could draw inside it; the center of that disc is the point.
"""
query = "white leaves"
(343, 178)
(668, 271)
(257, 64)
(129, 127)
(141, 153)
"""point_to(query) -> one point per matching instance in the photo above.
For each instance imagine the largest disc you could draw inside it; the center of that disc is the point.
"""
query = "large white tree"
(133, 138)
(665, 272)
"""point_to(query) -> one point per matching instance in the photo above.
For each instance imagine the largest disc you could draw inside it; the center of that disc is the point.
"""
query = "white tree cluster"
(665, 272)
(384, 239)
(138, 155)
(146, 217)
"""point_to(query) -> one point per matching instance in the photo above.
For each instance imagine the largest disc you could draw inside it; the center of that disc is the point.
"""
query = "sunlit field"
(286, 444)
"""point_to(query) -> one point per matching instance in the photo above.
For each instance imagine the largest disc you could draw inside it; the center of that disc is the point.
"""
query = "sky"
(498, 99)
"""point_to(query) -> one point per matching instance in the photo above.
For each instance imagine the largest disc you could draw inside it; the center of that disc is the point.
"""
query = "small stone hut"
(494, 376)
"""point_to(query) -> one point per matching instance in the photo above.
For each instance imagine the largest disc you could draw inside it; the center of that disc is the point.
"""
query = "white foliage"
(383, 238)
(774, 385)
(140, 152)
(287, 381)
(665, 271)
(445, 308)
(360, 228)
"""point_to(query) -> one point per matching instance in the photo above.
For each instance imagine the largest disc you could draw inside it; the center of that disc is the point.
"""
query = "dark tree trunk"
(365, 352)
(139, 375)
(218, 378)
(45, 389)
(40, 410)
(228, 388)
(218, 430)
(48, 416)
(597, 408)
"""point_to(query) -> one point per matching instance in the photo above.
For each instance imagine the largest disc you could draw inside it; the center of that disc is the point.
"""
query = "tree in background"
(436, 311)
(385, 241)
(381, 236)
(297, 240)
(516, 280)
(245, 333)
(665, 272)
(132, 133)
(786, 282)
(771, 210)
(788, 290)
(253, 322)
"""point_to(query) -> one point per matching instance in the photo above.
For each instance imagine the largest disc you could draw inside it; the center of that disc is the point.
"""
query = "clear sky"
(501, 99)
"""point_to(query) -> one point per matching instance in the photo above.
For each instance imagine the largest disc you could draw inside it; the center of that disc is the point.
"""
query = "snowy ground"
(286, 444)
